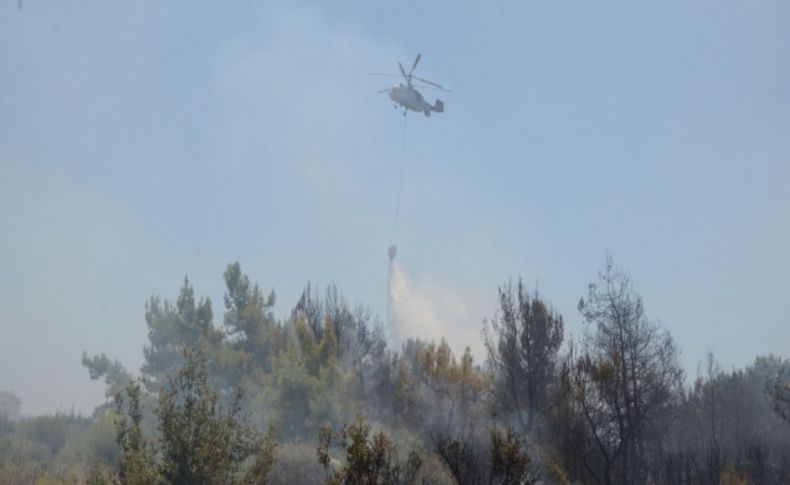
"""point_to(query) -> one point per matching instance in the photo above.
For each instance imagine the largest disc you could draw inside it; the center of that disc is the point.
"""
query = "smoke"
(425, 310)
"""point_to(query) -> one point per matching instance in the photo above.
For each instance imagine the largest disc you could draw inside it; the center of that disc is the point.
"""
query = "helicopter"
(406, 95)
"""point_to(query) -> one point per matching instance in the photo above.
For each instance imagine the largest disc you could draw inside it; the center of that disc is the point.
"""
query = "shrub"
(369, 460)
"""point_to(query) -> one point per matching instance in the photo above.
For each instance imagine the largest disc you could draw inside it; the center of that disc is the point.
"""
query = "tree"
(454, 389)
(137, 465)
(588, 421)
(306, 388)
(628, 377)
(726, 421)
(522, 345)
(248, 316)
(116, 377)
(360, 344)
(11, 406)
(171, 329)
(199, 442)
(779, 391)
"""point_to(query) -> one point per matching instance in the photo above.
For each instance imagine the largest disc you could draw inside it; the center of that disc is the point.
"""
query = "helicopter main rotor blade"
(383, 90)
(403, 71)
(383, 74)
(415, 63)
(443, 90)
(428, 82)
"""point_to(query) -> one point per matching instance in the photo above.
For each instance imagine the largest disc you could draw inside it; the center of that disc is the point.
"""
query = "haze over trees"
(320, 397)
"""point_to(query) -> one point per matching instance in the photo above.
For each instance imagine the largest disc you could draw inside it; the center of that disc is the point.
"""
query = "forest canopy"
(320, 397)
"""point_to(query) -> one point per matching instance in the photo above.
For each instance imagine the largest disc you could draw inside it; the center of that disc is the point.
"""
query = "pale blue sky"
(142, 141)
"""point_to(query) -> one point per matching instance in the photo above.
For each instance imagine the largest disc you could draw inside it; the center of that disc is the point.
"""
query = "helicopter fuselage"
(408, 97)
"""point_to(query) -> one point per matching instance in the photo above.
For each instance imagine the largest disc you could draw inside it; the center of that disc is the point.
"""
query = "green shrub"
(368, 459)
(199, 440)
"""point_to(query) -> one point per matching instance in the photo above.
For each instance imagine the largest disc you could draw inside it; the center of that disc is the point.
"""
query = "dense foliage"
(197, 441)
(612, 407)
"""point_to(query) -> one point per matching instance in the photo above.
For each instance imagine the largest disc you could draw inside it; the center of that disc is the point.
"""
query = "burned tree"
(779, 391)
(625, 381)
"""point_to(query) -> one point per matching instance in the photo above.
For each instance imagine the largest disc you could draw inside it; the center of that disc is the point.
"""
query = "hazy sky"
(142, 141)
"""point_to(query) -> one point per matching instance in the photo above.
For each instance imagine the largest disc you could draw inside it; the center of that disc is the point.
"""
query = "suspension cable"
(400, 178)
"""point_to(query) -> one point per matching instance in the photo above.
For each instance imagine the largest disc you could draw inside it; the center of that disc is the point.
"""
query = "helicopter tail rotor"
(438, 106)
